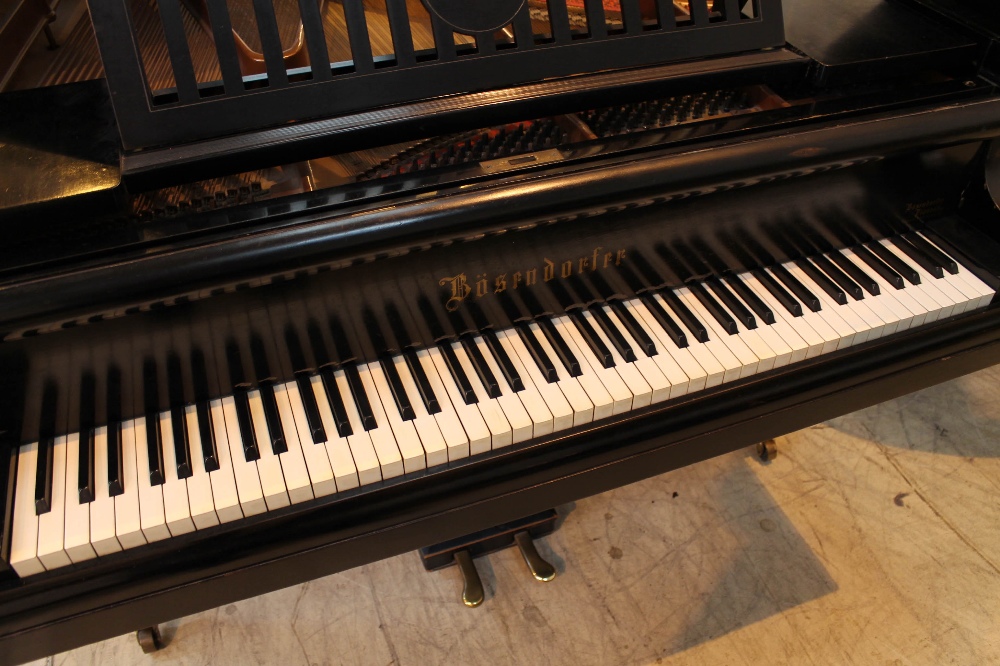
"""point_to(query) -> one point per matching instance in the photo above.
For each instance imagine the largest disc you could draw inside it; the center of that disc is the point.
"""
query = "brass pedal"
(463, 550)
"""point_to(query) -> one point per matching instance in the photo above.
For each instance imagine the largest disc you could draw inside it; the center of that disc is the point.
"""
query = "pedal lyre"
(463, 550)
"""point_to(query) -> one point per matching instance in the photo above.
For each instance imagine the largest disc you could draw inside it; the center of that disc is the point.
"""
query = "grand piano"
(290, 287)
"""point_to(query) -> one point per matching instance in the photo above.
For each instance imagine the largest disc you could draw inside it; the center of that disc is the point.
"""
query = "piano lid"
(244, 65)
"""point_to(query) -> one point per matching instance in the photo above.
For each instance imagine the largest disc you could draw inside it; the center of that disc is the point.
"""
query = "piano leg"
(462, 550)
(767, 450)
(149, 639)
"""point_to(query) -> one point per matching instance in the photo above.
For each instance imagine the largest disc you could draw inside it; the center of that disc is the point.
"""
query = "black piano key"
(866, 281)
(154, 452)
(272, 418)
(666, 322)
(919, 256)
(805, 296)
(245, 422)
(614, 334)
(732, 303)
(759, 307)
(562, 349)
(894, 262)
(85, 463)
(360, 397)
(43, 476)
(538, 354)
(594, 342)
(261, 364)
(821, 280)
(503, 360)
(458, 374)
(720, 314)
(850, 287)
(877, 265)
(202, 392)
(206, 431)
(779, 293)
(398, 390)
(296, 355)
(423, 384)
(633, 327)
(936, 255)
(116, 478)
(482, 369)
(313, 419)
(340, 418)
(698, 330)
(178, 422)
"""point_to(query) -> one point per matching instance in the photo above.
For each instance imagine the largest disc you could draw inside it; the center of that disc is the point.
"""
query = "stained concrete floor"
(872, 539)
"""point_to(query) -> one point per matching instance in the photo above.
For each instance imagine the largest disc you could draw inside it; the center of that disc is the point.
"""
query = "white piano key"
(102, 509)
(272, 479)
(747, 360)
(176, 509)
(712, 354)
(814, 341)
(76, 537)
(769, 334)
(841, 317)
(371, 468)
(449, 423)
(674, 382)
(901, 303)
(199, 484)
(435, 448)
(591, 367)
(315, 456)
(293, 464)
(832, 339)
(928, 295)
(342, 465)
(225, 494)
(695, 359)
(501, 432)
(128, 524)
(24, 533)
(480, 437)
(292, 461)
(829, 314)
(151, 517)
(394, 436)
(586, 395)
(51, 524)
(555, 402)
(697, 377)
(642, 390)
(985, 291)
(248, 486)
(512, 405)
(960, 302)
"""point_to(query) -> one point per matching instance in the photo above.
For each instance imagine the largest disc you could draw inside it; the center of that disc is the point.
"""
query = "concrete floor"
(871, 539)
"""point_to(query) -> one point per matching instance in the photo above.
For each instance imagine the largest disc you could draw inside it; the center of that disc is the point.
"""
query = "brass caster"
(149, 639)
(767, 450)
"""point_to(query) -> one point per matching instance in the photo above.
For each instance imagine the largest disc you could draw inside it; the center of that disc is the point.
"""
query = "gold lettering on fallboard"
(460, 289)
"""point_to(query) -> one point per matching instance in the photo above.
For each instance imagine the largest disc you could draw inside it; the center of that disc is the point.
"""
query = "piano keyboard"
(132, 482)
